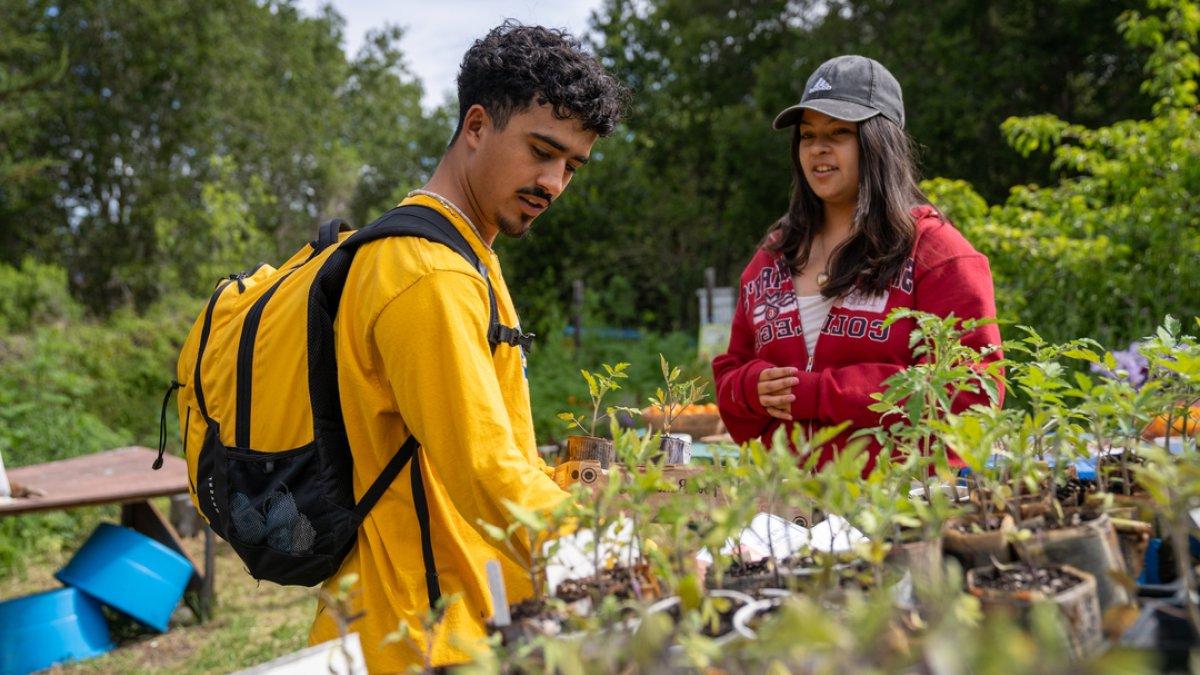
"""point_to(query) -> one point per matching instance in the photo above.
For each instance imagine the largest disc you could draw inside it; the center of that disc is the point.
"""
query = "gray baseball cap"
(851, 88)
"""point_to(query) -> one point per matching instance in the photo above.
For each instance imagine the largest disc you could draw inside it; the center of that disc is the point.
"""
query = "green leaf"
(1082, 354)
(492, 531)
(531, 520)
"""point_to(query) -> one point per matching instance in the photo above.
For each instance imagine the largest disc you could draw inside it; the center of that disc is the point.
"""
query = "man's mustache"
(537, 192)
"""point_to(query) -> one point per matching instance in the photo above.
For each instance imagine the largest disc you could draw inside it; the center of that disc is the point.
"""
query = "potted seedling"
(913, 405)
(916, 398)
(903, 535)
(1056, 427)
(671, 400)
(1116, 408)
(697, 622)
(586, 446)
(522, 538)
(690, 517)
(777, 486)
(615, 512)
(991, 443)
(1172, 479)
(1067, 535)
(1016, 588)
(1170, 355)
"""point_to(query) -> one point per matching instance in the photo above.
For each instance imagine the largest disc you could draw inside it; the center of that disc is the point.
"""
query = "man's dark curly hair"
(510, 66)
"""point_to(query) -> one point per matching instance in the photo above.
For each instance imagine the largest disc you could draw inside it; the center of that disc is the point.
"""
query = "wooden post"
(577, 312)
(208, 591)
(710, 280)
(184, 517)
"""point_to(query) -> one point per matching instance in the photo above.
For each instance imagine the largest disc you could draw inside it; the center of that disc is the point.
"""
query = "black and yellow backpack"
(269, 463)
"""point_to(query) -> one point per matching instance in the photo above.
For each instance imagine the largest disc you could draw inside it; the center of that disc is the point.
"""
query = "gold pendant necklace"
(823, 275)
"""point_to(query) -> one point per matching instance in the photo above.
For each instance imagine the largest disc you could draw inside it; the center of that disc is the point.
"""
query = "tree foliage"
(147, 146)
(698, 174)
(161, 103)
(1111, 249)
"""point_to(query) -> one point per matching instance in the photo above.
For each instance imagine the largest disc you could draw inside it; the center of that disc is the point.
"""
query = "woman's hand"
(775, 391)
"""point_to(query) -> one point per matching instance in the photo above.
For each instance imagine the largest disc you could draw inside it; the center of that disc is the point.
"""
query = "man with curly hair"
(414, 359)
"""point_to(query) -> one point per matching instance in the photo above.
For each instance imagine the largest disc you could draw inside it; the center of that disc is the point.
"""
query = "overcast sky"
(439, 31)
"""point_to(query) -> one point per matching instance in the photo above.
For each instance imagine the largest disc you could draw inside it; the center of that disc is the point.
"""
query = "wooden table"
(122, 476)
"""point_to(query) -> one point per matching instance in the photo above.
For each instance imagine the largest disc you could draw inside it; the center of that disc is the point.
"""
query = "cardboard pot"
(1091, 546)
(1078, 606)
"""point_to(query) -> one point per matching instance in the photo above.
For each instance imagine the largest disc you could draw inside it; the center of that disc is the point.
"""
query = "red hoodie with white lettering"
(854, 352)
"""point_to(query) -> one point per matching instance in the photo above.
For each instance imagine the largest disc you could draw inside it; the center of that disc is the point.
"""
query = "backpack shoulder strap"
(328, 233)
(421, 221)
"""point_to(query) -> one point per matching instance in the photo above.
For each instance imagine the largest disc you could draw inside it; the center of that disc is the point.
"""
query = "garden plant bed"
(1044, 551)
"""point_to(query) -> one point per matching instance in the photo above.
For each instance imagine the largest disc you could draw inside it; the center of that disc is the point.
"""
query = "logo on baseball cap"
(851, 88)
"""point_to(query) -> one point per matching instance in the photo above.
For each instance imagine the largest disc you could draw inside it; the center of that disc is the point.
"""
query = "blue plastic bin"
(38, 631)
(129, 572)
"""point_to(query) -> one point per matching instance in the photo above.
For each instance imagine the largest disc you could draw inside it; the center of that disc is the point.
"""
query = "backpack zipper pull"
(162, 425)
(238, 278)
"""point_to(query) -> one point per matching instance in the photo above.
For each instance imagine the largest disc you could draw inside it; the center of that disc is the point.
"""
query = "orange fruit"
(1158, 426)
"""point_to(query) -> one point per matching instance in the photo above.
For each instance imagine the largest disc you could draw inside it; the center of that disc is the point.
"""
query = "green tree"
(159, 102)
(29, 67)
(697, 174)
(397, 144)
(1111, 248)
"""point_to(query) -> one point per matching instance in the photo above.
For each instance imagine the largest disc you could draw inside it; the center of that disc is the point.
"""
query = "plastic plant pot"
(129, 572)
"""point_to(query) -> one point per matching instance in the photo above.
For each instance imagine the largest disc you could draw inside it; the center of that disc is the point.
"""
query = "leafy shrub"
(34, 293)
(1110, 249)
(556, 385)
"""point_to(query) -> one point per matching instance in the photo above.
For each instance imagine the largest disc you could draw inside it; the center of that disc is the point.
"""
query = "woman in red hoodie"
(808, 344)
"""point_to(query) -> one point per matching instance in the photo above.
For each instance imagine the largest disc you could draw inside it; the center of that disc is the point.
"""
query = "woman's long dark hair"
(883, 231)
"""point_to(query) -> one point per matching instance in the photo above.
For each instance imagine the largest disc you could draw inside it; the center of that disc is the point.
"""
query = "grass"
(252, 623)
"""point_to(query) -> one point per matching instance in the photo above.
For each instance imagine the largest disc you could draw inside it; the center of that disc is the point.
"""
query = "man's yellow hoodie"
(413, 356)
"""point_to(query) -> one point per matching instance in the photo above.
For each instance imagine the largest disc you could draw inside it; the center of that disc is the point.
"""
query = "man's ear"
(476, 123)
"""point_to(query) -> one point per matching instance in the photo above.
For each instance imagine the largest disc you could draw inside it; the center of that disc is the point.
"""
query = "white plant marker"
(495, 579)
(5, 488)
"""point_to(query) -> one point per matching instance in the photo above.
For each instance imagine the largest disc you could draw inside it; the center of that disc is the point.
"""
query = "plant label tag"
(495, 581)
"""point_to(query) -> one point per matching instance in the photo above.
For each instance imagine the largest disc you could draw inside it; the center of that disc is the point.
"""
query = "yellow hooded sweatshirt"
(413, 356)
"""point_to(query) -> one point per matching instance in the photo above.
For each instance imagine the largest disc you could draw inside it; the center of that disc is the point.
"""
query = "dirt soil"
(1048, 580)
(617, 581)
(532, 608)
(739, 568)
(1073, 518)
(1074, 491)
(975, 527)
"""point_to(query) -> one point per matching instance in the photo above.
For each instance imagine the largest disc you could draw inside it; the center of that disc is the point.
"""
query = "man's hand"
(775, 390)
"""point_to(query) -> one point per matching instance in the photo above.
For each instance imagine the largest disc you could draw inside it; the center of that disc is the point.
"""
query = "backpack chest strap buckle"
(501, 334)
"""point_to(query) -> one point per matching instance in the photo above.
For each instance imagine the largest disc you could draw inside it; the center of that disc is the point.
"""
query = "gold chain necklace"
(823, 275)
(450, 205)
